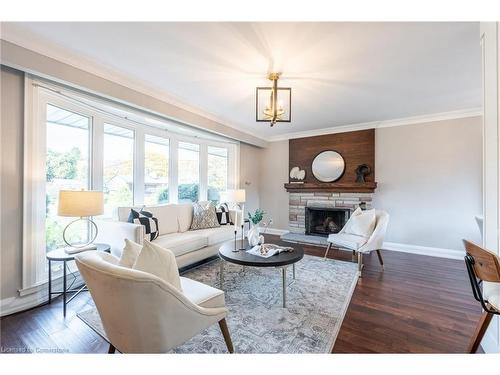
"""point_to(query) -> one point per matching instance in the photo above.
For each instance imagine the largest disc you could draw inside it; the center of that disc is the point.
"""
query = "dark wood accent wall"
(356, 148)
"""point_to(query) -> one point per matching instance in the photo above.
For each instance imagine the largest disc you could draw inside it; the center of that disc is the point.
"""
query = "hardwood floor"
(418, 304)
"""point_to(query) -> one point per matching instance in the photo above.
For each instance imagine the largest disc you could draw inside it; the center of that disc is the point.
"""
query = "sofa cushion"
(349, 241)
(202, 294)
(167, 217)
(182, 243)
(217, 235)
(160, 262)
(184, 216)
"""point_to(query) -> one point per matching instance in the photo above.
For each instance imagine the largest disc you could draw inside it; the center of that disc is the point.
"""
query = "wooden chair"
(483, 265)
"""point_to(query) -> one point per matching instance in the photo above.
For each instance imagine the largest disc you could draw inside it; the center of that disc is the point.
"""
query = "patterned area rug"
(316, 305)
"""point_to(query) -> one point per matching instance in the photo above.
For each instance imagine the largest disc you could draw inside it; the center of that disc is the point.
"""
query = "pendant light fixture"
(273, 104)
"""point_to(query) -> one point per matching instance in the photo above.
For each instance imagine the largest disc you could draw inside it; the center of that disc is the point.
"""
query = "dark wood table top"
(243, 258)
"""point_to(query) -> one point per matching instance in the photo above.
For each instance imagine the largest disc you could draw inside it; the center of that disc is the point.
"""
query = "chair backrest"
(140, 313)
(486, 264)
(376, 240)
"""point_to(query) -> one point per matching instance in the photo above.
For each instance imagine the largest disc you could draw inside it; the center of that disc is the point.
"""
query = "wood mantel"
(333, 187)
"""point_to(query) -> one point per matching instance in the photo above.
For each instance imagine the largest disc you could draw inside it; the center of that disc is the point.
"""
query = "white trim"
(453, 115)
(424, 250)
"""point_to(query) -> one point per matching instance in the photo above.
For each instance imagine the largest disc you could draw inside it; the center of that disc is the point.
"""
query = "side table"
(59, 255)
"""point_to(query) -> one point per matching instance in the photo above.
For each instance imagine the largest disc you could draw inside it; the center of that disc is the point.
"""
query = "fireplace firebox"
(322, 221)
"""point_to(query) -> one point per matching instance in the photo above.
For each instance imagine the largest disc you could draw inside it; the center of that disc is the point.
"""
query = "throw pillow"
(347, 226)
(160, 262)
(204, 216)
(223, 214)
(129, 254)
(362, 224)
(146, 219)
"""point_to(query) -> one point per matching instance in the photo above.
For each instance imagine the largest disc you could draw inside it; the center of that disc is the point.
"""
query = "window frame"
(38, 94)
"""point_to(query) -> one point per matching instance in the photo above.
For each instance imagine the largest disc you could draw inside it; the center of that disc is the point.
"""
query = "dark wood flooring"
(418, 304)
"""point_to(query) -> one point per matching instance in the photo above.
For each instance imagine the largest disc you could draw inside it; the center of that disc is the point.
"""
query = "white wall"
(274, 173)
(11, 168)
(429, 181)
(250, 178)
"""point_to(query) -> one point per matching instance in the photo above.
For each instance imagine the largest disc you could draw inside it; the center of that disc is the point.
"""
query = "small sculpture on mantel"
(297, 174)
(362, 171)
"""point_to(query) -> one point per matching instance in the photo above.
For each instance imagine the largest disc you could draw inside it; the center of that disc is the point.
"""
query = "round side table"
(60, 255)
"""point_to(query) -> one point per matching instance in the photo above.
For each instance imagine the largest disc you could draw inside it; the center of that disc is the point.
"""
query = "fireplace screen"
(321, 221)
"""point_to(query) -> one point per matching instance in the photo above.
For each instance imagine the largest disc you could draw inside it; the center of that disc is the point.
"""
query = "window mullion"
(97, 144)
(203, 172)
(139, 168)
(173, 180)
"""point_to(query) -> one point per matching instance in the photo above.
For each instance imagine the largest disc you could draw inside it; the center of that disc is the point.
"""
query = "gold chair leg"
(225, 333)
(328, 249)
(360, 264)
(379, 254)
(479, 332)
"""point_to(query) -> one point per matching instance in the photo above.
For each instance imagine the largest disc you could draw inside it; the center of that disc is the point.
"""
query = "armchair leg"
(379, 254)
(328, 249)
(225, 333)
(479, 332)
(111, 349)
(360, 264)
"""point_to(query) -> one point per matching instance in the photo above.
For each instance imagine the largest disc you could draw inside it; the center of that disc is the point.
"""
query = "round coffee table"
(283, 260)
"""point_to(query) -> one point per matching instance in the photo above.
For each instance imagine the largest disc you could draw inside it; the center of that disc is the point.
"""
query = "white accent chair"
(360, 245)
(141, 313)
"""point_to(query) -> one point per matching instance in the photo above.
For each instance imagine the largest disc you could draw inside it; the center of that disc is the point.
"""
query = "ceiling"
(341, 73)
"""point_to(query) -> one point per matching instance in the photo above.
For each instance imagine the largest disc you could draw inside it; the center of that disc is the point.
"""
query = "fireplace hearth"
(322, 221)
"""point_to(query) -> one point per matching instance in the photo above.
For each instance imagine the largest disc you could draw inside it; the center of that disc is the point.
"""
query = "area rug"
(316, 305)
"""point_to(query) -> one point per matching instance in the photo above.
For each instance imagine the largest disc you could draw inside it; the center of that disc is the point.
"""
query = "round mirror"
(328, 166)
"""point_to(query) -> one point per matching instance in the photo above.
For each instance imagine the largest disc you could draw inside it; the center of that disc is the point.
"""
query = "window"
(66, 168)
(70, 143)
(217, 172)
(118, 168)
(156, 169)
(189, 172)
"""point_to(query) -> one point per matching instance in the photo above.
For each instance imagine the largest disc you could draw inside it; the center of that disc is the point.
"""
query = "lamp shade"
(234, 195)
(80, 203)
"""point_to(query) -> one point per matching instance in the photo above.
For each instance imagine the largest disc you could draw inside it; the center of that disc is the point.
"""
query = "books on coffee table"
(268, 250)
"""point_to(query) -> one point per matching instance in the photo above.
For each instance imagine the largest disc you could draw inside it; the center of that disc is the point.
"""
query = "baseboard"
(275, 231)
(424, 250)
(19, 303)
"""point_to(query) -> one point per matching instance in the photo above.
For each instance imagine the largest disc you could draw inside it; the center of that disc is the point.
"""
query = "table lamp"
(82, 204)
(237, 196)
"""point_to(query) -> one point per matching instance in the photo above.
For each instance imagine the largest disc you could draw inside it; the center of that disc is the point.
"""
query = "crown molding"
(10, 33)
(431, 118)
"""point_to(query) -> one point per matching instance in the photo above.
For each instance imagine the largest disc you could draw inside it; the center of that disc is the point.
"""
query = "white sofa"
(174, 223)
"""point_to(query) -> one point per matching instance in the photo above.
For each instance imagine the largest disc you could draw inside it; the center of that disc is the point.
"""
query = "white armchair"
(360, 245)
(141, 313)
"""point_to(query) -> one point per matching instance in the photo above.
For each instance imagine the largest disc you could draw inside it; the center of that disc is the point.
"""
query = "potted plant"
(253, 233)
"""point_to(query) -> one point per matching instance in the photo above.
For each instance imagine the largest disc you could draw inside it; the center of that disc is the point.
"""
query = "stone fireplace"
(337, 206)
